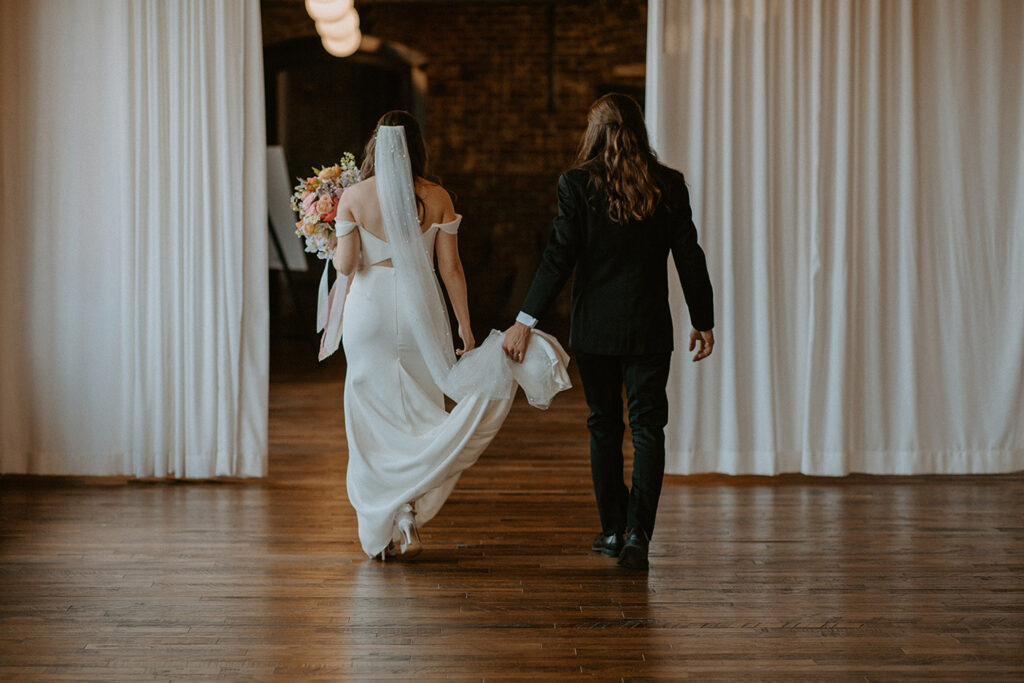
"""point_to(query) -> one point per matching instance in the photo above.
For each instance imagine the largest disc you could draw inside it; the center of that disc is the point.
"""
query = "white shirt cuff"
(526, 319)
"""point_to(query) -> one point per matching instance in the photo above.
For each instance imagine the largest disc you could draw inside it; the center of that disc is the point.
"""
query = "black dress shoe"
(608, 544)
(634, 551)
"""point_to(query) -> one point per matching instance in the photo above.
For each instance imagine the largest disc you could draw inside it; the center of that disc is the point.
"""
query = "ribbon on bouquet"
(330, 307)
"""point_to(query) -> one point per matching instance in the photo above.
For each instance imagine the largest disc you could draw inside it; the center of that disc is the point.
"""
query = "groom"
(621, 335)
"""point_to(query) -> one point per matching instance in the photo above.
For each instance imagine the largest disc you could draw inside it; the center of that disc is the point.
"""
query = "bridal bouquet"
(316, 201)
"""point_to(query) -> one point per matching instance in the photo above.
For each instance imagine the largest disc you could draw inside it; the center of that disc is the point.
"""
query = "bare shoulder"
(438, 199)
(359, 193)
(362, 188)
(435, 192)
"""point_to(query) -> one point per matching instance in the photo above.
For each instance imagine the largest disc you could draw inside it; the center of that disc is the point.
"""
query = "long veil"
(418, 289)
(484, 371)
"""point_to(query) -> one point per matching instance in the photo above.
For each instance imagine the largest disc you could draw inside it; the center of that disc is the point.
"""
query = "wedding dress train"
(403, 447)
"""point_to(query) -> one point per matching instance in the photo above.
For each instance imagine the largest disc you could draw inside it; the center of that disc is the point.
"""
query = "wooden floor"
(791, 578)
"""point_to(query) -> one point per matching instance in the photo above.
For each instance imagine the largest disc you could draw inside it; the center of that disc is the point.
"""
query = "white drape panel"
(857, 175)
(62, 164)
(133, 217)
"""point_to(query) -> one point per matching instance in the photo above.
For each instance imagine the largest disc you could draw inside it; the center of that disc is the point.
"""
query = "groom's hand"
(517, 338)
(704, 340)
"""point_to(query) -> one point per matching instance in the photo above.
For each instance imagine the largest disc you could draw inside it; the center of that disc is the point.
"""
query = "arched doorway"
(319, 107)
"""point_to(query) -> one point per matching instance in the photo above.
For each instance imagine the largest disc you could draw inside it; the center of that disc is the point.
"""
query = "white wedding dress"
(403, 447)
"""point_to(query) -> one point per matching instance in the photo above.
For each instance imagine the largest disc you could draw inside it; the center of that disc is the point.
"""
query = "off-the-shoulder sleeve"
(451, 227)
(342, 228)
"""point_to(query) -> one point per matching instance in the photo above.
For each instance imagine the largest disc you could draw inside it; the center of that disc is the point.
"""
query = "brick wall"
(509, 87)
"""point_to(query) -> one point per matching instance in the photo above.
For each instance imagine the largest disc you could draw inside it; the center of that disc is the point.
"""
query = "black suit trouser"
(644, 378)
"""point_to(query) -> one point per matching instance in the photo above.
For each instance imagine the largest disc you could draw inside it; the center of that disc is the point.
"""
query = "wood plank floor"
(791, 578)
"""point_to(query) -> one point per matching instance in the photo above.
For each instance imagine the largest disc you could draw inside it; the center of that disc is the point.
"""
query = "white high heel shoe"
(409, 545)
(387, 553)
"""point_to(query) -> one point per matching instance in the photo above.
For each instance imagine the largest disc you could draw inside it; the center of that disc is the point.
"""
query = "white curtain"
(857, 175)
(133, 216)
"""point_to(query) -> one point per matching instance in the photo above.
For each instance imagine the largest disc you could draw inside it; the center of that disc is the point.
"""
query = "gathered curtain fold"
(133, 211)
(857, 176)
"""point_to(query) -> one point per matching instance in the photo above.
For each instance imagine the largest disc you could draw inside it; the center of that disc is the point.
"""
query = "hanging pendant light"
(342, 28)
(343, 47)
(327, 10)
(337, 22)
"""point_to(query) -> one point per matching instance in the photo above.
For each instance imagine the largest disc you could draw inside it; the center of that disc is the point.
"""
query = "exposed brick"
(495, 138)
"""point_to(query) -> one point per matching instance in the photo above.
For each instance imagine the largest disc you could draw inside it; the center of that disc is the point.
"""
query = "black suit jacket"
(620, 291)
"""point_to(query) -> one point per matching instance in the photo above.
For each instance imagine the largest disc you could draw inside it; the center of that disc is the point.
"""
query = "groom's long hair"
(617, 153)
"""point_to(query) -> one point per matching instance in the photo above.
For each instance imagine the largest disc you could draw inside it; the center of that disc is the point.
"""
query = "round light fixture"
(343, 47)
(341, 28)
(328, 10)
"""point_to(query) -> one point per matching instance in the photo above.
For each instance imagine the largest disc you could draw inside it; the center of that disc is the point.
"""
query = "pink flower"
(308, 200)
(324, 204)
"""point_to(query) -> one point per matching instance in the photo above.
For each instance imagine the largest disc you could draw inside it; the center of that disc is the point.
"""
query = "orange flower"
(330, 173)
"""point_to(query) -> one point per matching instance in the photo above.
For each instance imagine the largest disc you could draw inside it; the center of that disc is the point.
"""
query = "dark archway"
(319, 106)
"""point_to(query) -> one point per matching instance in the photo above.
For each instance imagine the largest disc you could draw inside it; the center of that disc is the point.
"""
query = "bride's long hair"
(617, 153)
(418, 157)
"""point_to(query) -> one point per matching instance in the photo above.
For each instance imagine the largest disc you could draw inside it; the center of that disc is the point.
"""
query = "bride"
(405, 451)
